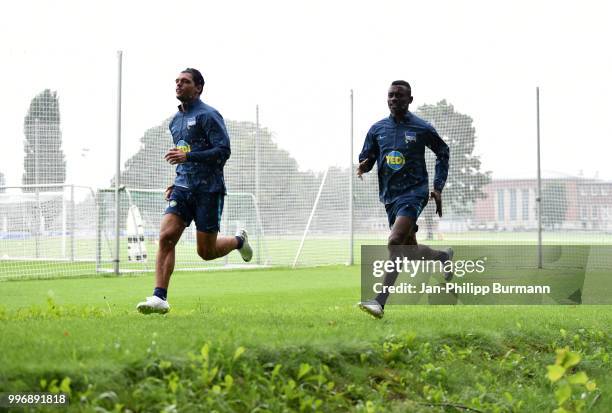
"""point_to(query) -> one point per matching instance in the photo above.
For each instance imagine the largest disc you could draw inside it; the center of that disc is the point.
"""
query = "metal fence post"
(351, 206)
(118, 164)
(539, 198)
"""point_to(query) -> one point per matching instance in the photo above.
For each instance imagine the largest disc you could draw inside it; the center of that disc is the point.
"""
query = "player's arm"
(174, 155)
(442, 152)
(214, 127)
(368, 155)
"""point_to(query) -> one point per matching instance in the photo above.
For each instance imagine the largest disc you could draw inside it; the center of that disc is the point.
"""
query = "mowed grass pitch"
(282, 340)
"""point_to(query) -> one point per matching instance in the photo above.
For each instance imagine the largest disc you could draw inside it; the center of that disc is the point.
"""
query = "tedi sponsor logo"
(395, 160)
(183, 146)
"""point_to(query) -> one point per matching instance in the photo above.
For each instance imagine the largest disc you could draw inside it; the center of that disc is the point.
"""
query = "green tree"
(44, 161)
(465, 177)
(147, 168)
(282, 187)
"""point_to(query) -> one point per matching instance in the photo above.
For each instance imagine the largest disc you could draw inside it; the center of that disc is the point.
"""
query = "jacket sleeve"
(440, 148)
(370, 150)
(214, 128)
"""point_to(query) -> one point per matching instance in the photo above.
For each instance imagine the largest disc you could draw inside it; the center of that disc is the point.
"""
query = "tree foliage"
(465, 177)
(282, 186)
(44, 161)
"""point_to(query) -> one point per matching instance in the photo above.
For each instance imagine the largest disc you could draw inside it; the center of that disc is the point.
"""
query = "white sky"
(299, 59)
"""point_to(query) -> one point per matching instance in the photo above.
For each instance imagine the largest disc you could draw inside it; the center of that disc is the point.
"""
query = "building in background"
(567, 204)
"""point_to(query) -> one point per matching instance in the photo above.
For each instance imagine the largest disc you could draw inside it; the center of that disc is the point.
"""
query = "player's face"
(186, 89)
(398, 99)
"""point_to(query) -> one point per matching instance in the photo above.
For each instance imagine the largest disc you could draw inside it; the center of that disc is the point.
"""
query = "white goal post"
(61, 230)
(145, 207)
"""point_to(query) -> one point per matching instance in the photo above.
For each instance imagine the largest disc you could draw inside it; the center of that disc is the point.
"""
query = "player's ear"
(410, 99)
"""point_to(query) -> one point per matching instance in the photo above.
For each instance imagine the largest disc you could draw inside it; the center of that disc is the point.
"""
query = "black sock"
(160, 292)
(240, 242)
(382, 299)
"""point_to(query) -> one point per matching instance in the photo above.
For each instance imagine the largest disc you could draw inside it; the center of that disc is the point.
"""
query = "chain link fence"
(57, 195)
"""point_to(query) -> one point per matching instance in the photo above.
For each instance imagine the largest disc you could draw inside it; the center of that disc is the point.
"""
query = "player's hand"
(175, 156)
(364, 166)
(437, 196)
(168, 192)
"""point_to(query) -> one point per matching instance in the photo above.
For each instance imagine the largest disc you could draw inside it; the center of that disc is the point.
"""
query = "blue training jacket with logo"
(399, 150)
(200, 132)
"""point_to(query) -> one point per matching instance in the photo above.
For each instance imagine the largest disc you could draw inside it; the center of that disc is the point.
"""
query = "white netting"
(239, 212)
(47, 231)
(57, 213)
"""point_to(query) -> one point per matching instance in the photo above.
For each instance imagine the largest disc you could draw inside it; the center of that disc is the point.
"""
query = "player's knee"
(402, 238)
(395, 239)
(206, 254)
(167, 239)
(411, 239)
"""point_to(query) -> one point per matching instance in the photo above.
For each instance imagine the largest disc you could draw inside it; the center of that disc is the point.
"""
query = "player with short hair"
(201, 149)
(397, 143)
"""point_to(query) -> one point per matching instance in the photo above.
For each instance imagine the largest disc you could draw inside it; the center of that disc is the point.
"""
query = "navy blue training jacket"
(200, 132)
(399, 149)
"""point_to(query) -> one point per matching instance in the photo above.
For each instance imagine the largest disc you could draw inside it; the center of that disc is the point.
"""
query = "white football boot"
(153, 304)
(246, 252)
(372, 307)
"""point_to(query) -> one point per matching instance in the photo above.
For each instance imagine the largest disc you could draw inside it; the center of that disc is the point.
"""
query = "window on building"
(500, 204)
(513, 204)
(525, 196)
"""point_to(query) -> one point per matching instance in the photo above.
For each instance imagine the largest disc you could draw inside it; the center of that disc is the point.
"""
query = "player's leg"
(413, 209)
(177, 217)
(403, 216)
(402, 233)
(171, 229)
(211, 246)
(208, 220)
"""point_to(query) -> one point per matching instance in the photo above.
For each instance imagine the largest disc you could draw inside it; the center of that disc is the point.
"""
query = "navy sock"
(160, 292)
(240, 242)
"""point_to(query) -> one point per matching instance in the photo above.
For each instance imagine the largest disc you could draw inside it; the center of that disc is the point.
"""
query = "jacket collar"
(190, 105)
(406, 119)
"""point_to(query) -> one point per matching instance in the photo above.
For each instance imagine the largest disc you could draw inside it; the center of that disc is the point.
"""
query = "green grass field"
(16, 256)
(292, 340)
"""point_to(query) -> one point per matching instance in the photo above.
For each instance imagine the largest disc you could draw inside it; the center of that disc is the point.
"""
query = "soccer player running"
(398, 144)
(201, 149)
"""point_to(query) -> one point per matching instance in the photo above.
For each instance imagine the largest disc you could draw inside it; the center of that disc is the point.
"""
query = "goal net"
(70, 231)
(141, 212)
(46, 231)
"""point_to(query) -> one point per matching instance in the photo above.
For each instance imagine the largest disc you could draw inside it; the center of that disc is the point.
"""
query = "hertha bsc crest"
(410, 137)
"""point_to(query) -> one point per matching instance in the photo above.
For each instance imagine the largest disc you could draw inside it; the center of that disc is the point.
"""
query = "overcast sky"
(299, 59)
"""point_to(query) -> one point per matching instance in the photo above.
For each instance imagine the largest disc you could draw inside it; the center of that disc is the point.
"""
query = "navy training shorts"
(204, 208)
(410, 205)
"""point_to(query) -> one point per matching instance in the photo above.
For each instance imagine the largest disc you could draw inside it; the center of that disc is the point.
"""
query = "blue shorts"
(407, 206)
(203, 207)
